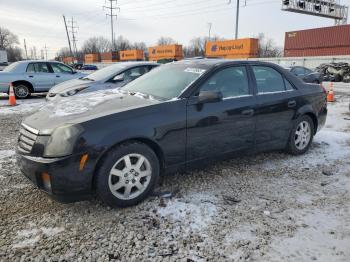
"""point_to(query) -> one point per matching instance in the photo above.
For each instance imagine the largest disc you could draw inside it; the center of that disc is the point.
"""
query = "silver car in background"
(35, 76)
(110, 77)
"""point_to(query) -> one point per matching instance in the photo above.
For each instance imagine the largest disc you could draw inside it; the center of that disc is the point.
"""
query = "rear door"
(40, 75)
(214, 129)
(277, 101)
(62, 72)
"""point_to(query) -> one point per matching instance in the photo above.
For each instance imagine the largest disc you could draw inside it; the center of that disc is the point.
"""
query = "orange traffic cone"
(12, 98)
(330, 96)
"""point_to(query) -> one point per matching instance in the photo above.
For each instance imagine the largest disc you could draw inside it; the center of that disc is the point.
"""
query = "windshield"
(106, 72)
(166, 82)
(11, 67)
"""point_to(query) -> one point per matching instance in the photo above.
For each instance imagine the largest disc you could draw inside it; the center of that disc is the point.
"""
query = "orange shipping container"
(128, 55)
(92, 58)
(240, 48)
(165, 52)
(68, 60)
(109, 56)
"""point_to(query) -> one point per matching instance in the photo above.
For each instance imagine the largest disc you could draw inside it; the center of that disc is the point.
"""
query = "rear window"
(268, 80)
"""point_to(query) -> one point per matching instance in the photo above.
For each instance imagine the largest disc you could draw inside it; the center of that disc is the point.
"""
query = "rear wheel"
(21, 91)
(128, 175)
(301, 136)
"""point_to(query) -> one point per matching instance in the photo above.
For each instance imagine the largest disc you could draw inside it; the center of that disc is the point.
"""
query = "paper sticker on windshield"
(195, 70)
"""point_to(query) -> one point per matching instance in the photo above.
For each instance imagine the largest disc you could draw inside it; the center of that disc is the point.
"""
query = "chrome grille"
(26, 139)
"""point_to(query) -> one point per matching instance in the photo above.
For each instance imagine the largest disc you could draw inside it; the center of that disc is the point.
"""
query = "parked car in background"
(117, 144)
(114, 76)
(89, 67)
(35, 76)
(307, 75)
(3, 65)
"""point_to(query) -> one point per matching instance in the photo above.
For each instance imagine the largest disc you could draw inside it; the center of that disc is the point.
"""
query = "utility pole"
(210, 25)
(65, 24)
(25, 48)
(73, 31)
(45, 49)
(111, 8)
(237, 16)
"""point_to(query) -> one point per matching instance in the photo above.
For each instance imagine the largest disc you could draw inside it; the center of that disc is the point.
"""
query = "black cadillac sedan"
(116, 144)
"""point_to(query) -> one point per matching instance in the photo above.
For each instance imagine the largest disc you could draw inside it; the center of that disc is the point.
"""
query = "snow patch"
(196, 211)
(6, 153)
(321, 237)
(29, 237)
(22, 107)
(79, 104)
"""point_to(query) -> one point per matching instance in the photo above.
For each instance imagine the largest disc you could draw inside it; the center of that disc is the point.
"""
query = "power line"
(111, 14)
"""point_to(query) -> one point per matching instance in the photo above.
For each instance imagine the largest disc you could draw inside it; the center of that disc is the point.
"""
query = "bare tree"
(7, 39)
(14, 54)
(64, 52)
(140, 46)
(123, 44)
(166, 41)
(96, 45)
(268, 48)
(197, 46)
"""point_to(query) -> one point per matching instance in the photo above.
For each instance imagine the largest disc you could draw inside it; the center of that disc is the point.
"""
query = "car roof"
(37, 61)
(212, 62)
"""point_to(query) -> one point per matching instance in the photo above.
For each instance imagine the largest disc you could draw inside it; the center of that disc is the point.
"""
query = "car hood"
(85, 107)
(70, 85)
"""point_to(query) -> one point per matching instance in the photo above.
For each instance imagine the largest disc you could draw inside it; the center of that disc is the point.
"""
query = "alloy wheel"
(130, 176)
(21, 91)
(302, 135)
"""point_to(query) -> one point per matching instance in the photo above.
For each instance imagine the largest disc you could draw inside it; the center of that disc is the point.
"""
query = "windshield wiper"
(87, 79)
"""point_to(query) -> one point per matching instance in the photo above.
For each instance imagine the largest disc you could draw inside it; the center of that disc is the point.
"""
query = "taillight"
(323, 88)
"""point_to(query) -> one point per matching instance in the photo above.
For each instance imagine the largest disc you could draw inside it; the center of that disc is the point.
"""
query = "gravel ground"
(268, 207)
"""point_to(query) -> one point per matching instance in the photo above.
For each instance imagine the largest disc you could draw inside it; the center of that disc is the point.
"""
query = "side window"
(59, 68)
(231, 82)
(38, 68)
(299, 71)
(289, 86)
(268, 80)
(31, 68)
(134, 73)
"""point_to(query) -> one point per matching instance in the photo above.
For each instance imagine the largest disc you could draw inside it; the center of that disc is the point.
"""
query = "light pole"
(237, 17)
(210, 25)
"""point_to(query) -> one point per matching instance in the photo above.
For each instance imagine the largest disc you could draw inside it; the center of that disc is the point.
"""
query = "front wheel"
(301, 136)
(128, 175)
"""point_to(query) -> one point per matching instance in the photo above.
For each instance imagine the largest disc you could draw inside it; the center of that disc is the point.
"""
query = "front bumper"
(68, 183)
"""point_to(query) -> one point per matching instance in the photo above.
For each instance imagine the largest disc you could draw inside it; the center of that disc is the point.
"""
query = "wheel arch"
(308, 110)
(26, 83)
(149, 142)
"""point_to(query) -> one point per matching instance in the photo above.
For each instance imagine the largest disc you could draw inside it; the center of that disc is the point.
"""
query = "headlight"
(62, 141)
(73, 92)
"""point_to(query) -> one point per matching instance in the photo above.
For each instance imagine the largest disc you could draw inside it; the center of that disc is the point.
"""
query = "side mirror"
(119, 78)
(209, 97)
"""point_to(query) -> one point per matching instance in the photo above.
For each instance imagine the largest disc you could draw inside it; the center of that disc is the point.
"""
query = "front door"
(214, 129)
(62, 72)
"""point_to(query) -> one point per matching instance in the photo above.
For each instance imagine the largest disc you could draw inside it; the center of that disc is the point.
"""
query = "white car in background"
(35, 76)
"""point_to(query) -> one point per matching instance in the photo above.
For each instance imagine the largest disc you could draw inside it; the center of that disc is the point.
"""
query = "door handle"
(57, 76)
(31, 76)
(248, 112)
(292, 104)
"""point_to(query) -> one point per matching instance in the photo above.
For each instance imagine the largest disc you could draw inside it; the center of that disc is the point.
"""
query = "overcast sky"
(41, 22)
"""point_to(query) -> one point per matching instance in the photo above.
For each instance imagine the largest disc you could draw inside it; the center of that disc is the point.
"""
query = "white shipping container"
(3, 56)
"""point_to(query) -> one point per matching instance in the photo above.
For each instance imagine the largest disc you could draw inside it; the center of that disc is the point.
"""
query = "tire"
(112, 189)
(299, 144)
(21, 91)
